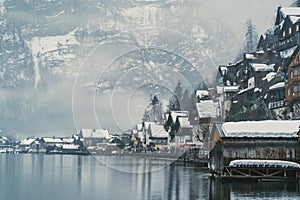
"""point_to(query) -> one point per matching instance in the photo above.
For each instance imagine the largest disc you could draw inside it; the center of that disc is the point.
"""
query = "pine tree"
(251, 37)
(154, 111)
(174, 104)
(186, 100)
(178, 91)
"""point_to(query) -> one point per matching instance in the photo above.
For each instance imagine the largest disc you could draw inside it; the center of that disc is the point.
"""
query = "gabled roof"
(261, 67)
(184, 122)
(158, 130)
(267, 128)
(284, 12)
(139, 127)
(290, 11)
(27, 141)
(94, 133)
(175, 114)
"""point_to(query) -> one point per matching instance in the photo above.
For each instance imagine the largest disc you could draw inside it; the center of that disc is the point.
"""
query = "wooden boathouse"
(270, 141)
(261, 169)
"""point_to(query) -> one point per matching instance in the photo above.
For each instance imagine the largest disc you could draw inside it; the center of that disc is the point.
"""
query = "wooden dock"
(262, 169)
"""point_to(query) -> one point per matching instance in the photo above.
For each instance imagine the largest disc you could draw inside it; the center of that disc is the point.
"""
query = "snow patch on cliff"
(53, 47)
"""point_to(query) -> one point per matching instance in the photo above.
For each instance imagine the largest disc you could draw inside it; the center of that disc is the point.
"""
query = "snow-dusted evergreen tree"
(174, 104)
(251, 37)
(154, 111)
(186, 100)
(176, 99)
(178, 91)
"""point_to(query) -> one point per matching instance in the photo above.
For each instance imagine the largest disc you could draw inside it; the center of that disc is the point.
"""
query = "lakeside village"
(247, 125)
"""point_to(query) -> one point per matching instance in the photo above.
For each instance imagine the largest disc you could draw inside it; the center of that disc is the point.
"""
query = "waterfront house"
(287, 30)
(159, 136)
(293, 84)
(45, 142)
(26, 144)
(93, 137)
(269, 139)
(184, 131)
(171, 121)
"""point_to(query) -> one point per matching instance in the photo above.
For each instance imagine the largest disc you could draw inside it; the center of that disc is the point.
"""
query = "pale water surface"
(52, 177)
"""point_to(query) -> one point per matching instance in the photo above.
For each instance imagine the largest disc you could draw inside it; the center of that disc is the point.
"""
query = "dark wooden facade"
(224, 149)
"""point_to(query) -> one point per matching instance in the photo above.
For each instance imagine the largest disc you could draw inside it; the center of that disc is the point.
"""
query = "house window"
(290, 30)
(292, 75)
(289, 92)
(297, 27)
(283, 34)
(296, 88)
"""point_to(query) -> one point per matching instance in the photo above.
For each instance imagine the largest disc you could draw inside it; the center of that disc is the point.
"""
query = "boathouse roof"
(264, 163)
(267, 128)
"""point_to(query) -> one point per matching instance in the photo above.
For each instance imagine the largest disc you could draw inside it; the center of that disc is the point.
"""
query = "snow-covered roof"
(70, 146)
(249, 56)
(257, 89)
(291, 11)
(267, 128)
(68, 140)
(223, 70)
(139, 127)
(27, 141)
(184, 122)
(231, 88)
(264, 163)
(52, 140)
(294, 19)
(147, 124)
(158, 130)
(175, 114)
(260, 67)
(286, 53)
(277, 86)
(94, 133)
(202, 93)
(269, 76)
(245, 90)
(207, 109)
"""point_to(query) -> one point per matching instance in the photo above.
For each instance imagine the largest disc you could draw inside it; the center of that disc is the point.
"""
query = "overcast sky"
(234, 13)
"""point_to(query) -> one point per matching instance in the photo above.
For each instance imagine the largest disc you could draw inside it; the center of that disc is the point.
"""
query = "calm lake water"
(34, 176)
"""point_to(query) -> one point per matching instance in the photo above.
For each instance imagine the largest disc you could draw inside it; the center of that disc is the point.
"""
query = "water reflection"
(253, 190)
(33, 176)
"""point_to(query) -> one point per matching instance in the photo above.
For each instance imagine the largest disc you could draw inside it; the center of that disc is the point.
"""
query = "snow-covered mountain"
(45, 44)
